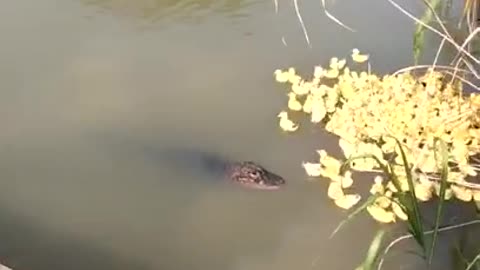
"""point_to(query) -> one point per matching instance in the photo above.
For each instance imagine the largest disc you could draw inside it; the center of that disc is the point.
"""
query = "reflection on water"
(69, 73)
(186, 10)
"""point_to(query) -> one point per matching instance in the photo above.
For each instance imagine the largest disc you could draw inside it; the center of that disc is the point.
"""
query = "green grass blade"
(419, 35)
(357, 211)
(443, 187)
(418, 42)
(411, 202)
(393, 177)
(373, 252)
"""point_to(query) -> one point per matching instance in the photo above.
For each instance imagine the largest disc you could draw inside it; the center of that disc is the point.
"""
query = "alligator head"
(252, 175)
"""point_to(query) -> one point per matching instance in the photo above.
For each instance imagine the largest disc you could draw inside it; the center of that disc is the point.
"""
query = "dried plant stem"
(437, 55)
(467, 41)
(333, 18)
(410, 68)
(460, 184)
(299, 16)
(446, 68)
(474, 86)
(451, 41)
(437, 18)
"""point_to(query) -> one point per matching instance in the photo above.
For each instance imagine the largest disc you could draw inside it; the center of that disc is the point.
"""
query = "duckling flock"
(366, 112)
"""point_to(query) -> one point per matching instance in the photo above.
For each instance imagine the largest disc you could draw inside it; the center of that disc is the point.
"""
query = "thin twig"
(333, 18)
(467, 41)
(446, 31)
(408, 236)
(455, 71)
(410, 68)
(464, 184)
(437, 55)
(295, 2)
(472, 69)
(434, 64)
(446, 68)
(464, 81)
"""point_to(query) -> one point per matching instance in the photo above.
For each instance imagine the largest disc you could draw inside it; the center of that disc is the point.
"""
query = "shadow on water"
(26, 245)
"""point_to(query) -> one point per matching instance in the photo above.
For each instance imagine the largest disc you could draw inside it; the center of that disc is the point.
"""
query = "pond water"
(76, 74)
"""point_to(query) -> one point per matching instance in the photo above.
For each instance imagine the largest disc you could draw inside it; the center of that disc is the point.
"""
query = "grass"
(373, 253)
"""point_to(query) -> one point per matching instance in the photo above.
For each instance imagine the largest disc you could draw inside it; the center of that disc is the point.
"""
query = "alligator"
(248, 174)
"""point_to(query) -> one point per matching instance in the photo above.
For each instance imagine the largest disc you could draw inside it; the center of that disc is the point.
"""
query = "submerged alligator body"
(248, 174)
(245, 173)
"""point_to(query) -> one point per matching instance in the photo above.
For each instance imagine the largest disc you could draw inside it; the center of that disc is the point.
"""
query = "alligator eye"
(254, 174)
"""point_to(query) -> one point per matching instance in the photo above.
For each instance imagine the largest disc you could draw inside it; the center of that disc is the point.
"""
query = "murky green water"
(190, 73)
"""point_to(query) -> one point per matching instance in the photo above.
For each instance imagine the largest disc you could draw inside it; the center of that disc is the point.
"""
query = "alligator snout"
(253, 175)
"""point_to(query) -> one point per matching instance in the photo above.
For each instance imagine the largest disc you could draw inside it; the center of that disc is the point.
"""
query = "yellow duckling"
(462, 193)
(341, 64)
(293, 103)
(383, 202)
(357, 57)
(312, 169)
(380, 214)
(424, 192)
(293, 78)
(307, 106)
(329, 161)
(280, 76)
(332, 73)
(335, 191)
(347, 180)
(318, 110)
(476, 195)
(299, 88)
(348, 201)
(476, 198)
(448, 191)
(319, 72)
(335, 63)
(285, 123)
(377, 187)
